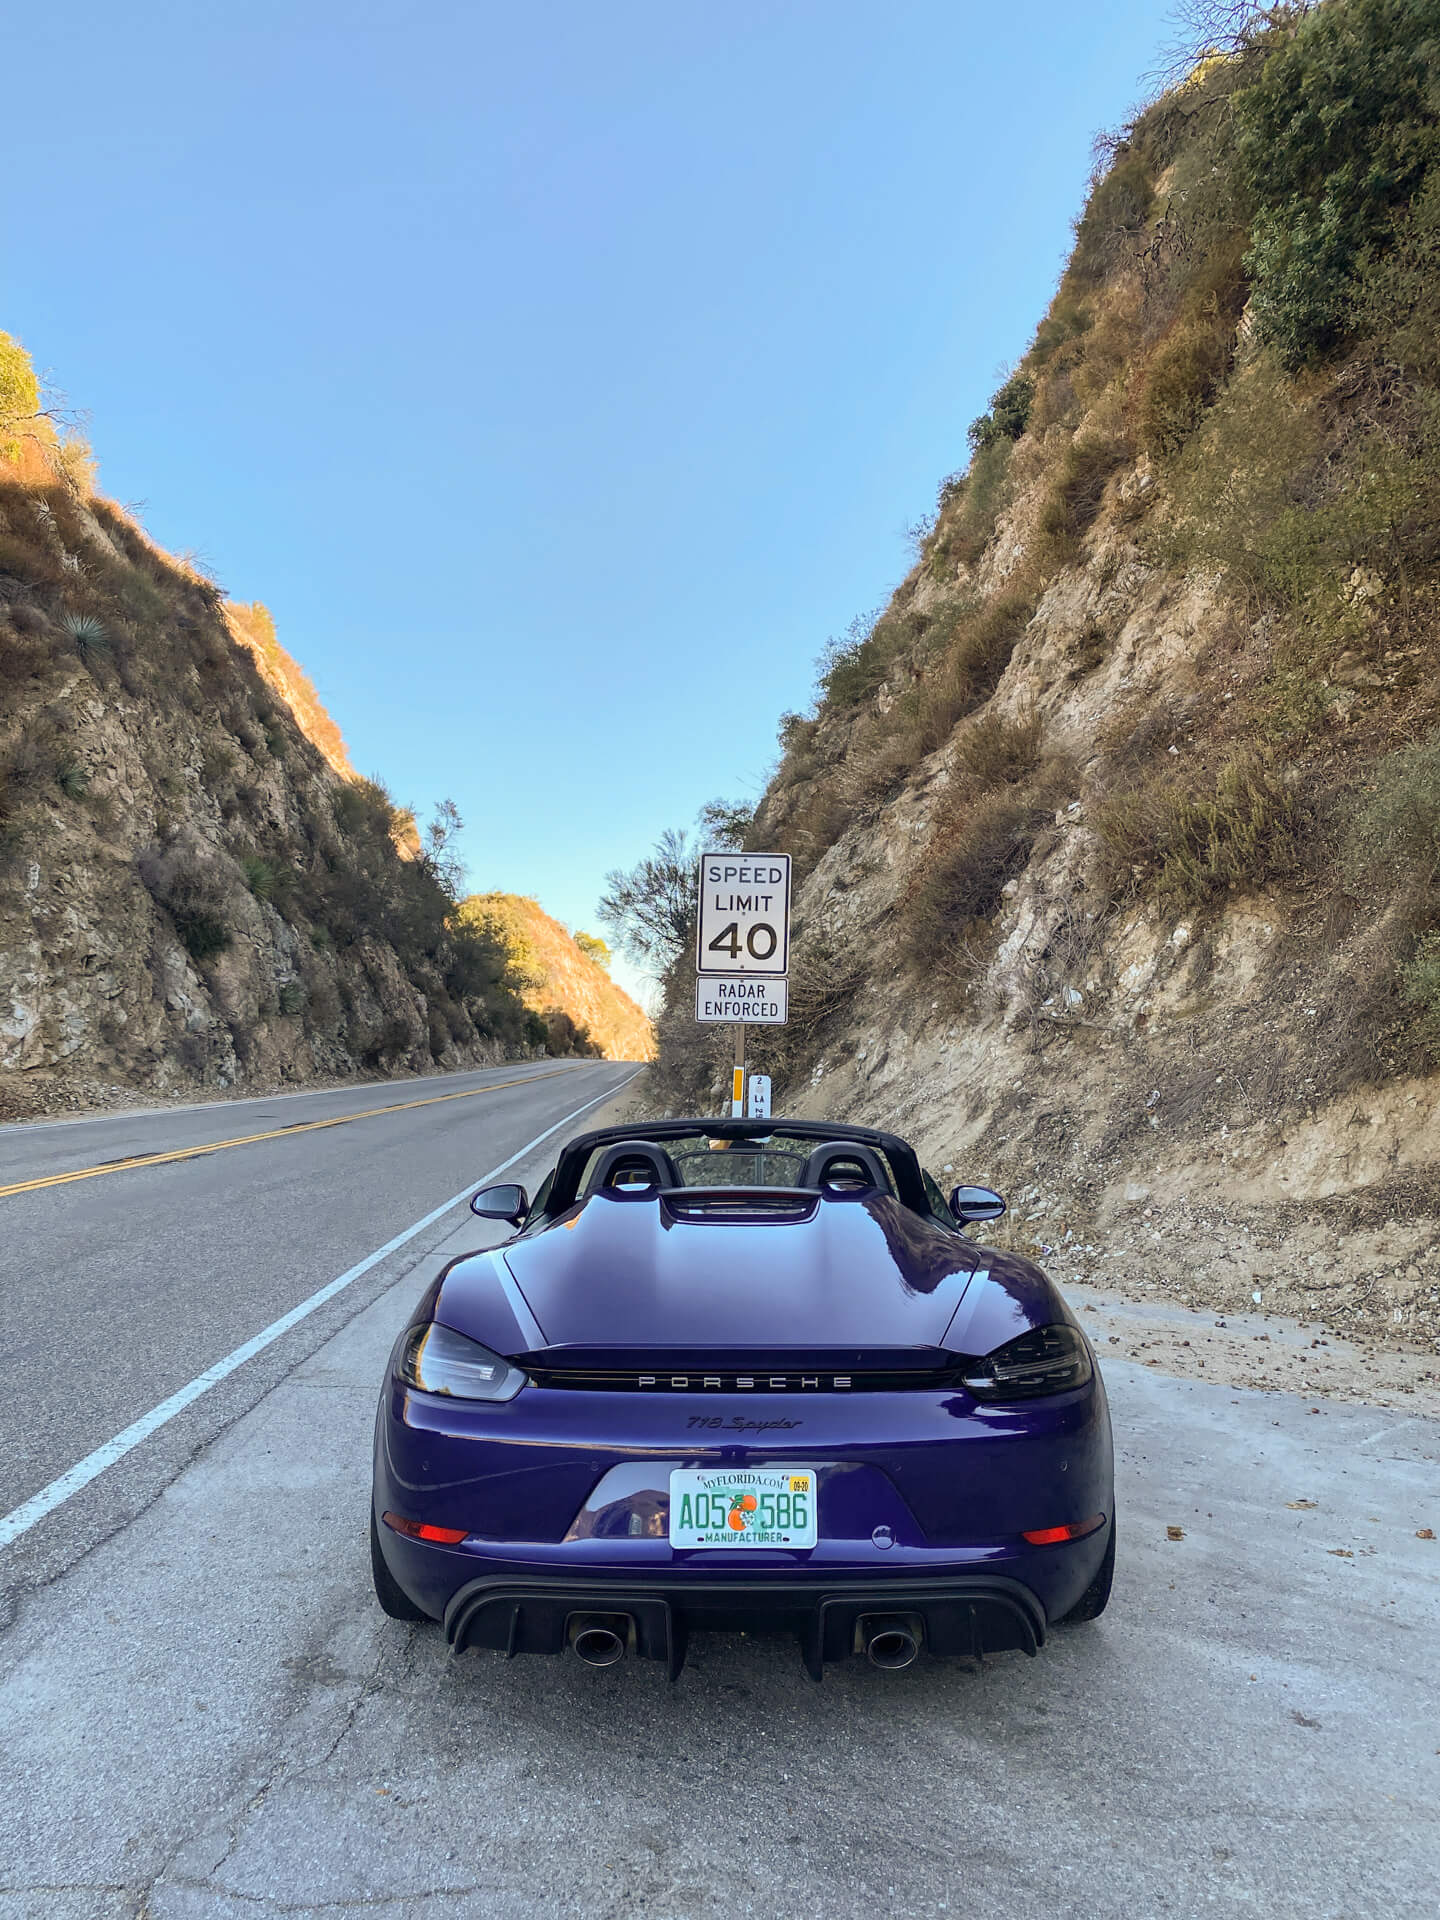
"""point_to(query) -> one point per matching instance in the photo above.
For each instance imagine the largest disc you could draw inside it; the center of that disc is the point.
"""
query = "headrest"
(633, 1163)
(842, 1165)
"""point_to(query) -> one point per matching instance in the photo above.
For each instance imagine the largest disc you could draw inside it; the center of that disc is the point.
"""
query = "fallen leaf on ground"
(1301, 1506)
(1341, 1553)
(1174, 1533)
(1424, 1533)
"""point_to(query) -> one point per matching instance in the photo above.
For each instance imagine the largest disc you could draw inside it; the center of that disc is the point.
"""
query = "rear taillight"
(1053, 1536)
(1045, 1360)
(422, 1530)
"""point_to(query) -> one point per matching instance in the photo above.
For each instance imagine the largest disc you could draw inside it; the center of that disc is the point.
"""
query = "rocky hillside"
(562, 978)
(1119, 830)
(195, 889)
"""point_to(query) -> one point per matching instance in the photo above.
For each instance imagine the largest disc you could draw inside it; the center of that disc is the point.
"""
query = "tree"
(594, 948)
(651, 909)
(441, 852)
(1208, 29)
(724, 825)
(19, 392)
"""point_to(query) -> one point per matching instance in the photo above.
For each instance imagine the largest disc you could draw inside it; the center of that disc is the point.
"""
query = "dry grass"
(975, 849)
(1192, 846)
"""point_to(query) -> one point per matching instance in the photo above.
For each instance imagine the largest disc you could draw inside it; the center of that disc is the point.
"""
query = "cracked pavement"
(205, 1714)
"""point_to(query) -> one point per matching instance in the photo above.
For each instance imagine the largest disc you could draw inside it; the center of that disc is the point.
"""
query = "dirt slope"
(1119, 832)
(555, 978)
(195, 890)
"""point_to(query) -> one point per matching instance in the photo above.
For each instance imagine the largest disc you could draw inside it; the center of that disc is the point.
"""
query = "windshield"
(701, 1160)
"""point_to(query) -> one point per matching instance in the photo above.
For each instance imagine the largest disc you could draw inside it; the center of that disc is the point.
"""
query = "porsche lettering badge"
(746, 1382)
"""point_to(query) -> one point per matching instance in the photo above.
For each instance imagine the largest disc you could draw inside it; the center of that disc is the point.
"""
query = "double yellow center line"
(275, 1133)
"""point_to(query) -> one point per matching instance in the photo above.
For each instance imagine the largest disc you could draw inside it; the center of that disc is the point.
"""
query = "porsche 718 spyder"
(742, 1375)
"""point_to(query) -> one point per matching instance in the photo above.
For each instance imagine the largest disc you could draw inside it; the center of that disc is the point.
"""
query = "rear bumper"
(971, 1615)
(563, 1500)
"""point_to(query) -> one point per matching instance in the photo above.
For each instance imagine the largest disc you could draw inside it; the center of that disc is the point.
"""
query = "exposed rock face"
(193, 892)
(1119, 833)
(1151, 1085)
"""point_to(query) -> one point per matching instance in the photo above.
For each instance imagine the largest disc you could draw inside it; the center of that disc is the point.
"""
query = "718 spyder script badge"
(735, 1424)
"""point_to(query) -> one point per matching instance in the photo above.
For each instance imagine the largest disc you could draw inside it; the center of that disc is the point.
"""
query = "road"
(124, 1284)
(202, 1713)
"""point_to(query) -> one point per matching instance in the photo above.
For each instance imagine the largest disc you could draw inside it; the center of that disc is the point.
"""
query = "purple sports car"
(733, 1375)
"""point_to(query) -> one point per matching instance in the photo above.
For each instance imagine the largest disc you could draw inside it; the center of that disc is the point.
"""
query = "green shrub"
(202, 932)
(1397, 299)
(1396, 824)
(1066, 322)
(1331, 141)
(191, 888)
(594, 948)
(218, 767)
(71, 777)
(853, 668)
(87, 635)
(259, 877)
(1420, 986)
(979, 502)
(292, 997)
(1249, 463)
(1009, 411)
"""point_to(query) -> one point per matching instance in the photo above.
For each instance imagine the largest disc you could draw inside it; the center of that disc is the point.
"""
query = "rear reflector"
(421, 1530)
(1052, 1536)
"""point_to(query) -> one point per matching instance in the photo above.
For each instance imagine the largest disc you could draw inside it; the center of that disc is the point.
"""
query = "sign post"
(742, 948)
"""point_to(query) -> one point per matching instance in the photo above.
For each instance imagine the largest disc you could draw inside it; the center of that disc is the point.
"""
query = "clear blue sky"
(560, 375)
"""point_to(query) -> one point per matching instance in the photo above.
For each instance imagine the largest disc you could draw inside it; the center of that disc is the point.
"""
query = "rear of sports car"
(820, 1414)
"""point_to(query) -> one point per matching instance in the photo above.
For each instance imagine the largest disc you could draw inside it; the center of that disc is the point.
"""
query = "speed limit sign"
(743, 925)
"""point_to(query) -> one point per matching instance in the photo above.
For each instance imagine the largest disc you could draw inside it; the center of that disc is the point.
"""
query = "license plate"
(742, 1507)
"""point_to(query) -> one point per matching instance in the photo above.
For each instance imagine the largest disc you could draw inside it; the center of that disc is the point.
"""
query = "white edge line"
(25, 1516)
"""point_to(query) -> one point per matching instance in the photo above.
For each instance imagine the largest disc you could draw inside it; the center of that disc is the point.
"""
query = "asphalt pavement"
(202, 1712)
(137, 1251)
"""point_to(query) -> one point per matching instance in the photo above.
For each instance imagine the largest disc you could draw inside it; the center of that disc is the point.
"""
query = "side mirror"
(501, 1203)
(969, 1204)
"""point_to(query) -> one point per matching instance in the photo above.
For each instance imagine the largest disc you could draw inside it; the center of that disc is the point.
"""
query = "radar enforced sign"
(744, 921)
(764, 1003)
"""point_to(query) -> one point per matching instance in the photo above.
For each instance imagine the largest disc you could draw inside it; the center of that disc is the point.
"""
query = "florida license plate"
(742, 1507)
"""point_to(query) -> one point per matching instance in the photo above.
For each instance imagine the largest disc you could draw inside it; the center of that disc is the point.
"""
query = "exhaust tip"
(599, 1647)
(599, 1640)
(893, 1649)
(891, 1643)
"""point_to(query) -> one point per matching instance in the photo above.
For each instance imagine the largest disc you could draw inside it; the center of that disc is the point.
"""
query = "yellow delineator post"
(737, 1083)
